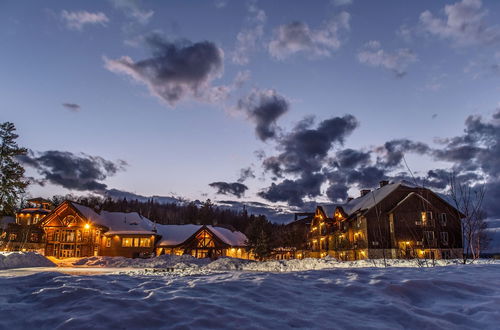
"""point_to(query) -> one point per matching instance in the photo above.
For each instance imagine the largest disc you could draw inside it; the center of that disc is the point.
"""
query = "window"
(126, 242)
(442, 219)
(205, 239)
(429, 235)
(12, 237)
(444, 237)
(145, 242)
(108, 242)
(136, 242)
(425, 216)
(34, 237)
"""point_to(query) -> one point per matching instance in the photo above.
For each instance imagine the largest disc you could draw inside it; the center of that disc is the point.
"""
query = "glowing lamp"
(87, 226)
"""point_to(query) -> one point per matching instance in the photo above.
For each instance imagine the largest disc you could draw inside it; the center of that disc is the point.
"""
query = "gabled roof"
(372, 198)
(410, 195)
(233, 238)
(116, 222)
(174, 235)
(328, 209)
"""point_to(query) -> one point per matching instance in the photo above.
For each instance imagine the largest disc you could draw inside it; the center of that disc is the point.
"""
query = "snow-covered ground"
(183, 292)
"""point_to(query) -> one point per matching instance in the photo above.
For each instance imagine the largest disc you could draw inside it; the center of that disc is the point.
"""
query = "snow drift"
(23, 260)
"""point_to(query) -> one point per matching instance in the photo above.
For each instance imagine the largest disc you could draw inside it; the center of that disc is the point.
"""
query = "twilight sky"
(282, 102)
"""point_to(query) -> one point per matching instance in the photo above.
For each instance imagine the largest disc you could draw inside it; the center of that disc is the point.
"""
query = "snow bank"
(191, 264)
(163, 261)
(23, 260)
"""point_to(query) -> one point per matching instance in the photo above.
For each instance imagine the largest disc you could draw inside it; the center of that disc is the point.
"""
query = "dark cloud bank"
(310, 158)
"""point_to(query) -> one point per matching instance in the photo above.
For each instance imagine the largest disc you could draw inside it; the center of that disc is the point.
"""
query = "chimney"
(383, 183)
(364, 191)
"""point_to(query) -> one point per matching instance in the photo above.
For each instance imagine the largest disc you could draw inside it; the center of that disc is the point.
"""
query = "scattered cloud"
(463, 24)
(77, 20)
(132, 9)
(264, 107)
(176, 70)
(72, 171)
(72, 106)
(396, 62)
(229, 188)
(248, 38)
(245, 174)
(298, 37)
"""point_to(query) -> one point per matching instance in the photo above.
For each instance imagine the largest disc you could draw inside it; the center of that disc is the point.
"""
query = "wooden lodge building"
(396, 220)
(24, 233)
(75, 230)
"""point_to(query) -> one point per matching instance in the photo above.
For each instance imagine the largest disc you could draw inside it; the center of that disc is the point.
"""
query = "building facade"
(397, 220)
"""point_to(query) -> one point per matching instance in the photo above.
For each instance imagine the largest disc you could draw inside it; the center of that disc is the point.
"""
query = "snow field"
(454, 297)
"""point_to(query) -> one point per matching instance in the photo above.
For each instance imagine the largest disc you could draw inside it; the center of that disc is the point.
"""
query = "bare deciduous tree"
(468, 202)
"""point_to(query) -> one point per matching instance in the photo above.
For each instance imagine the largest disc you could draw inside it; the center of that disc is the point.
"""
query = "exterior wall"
(115, 245)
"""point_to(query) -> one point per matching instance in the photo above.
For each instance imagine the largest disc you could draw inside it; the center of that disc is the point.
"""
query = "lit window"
(145, 242)
(126, 242)
(108, 242)
(205, 240)
(136, 242)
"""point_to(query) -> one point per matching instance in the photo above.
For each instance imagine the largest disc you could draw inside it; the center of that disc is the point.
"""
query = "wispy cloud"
(247, 39)
(396, 62)
(77, 20)
(298, 37)
(464, 24)
(132, 9)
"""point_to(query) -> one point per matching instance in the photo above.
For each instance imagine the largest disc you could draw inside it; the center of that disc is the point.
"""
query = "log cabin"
(75, 230)
(202, 241)
(396, 220)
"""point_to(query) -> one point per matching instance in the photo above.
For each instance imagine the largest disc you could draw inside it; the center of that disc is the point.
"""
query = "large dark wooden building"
(397, 220)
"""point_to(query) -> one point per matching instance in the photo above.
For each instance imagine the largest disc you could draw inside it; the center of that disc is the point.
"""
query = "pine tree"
(12, 182)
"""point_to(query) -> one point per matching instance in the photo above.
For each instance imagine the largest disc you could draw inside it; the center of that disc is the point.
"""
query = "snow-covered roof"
(86, 211)
(173, 235)
(372, 198)
(118, 222)
(126, 223)
(329, 209)
(233, 238)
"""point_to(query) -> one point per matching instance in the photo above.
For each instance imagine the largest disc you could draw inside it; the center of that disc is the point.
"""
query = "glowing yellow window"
(205, 239)
(127, 242)
(145, 242)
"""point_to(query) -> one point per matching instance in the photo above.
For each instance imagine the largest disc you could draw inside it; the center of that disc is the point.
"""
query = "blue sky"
(405, 70)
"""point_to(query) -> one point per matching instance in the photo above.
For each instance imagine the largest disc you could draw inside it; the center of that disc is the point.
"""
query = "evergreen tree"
(12, 182)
